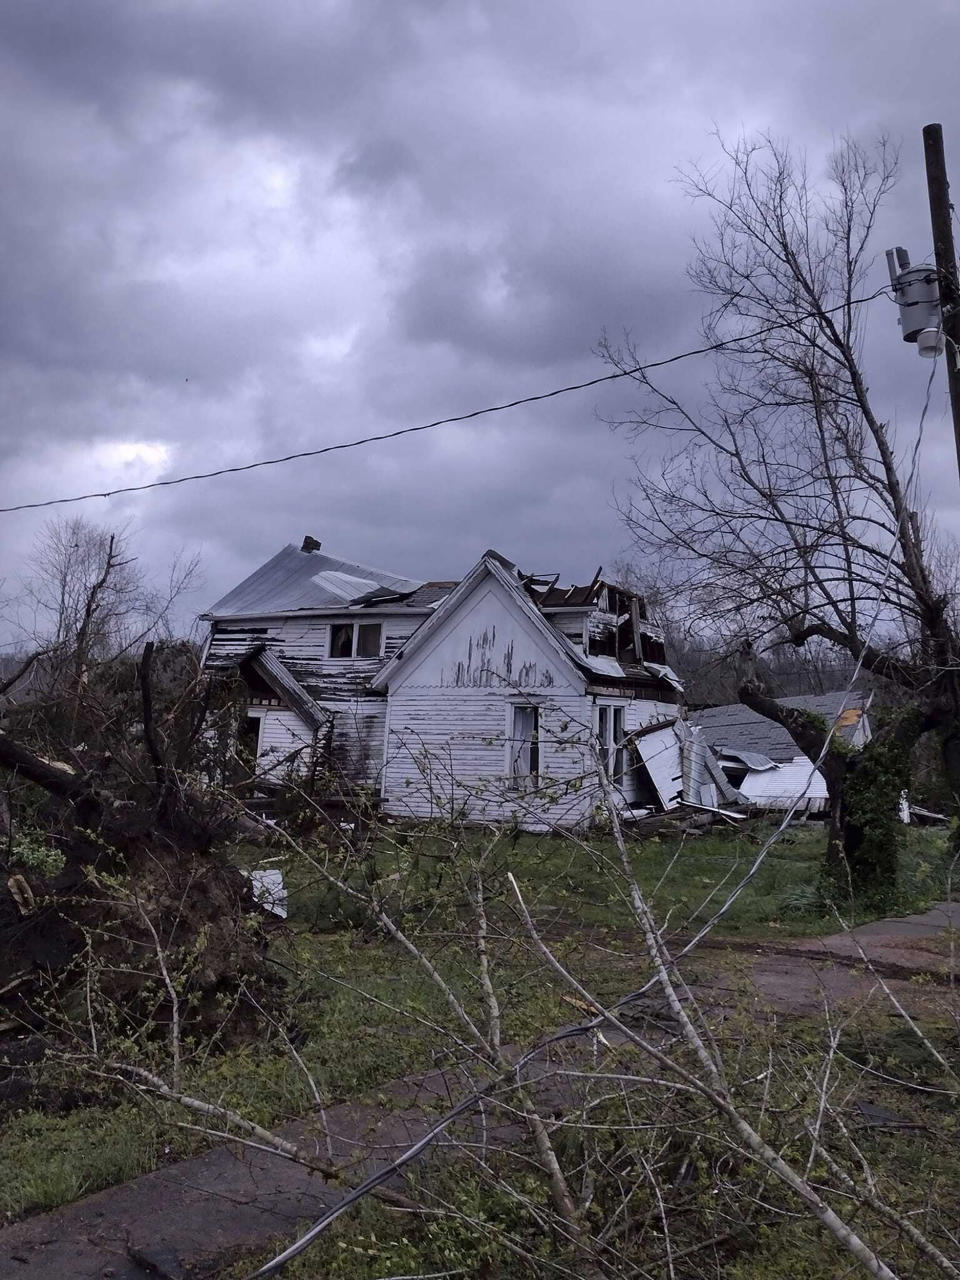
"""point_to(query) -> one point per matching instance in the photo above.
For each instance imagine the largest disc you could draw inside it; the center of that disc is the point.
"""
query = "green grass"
(47, 1159)
(352, 1045)
(687, 878)
(349, 1044)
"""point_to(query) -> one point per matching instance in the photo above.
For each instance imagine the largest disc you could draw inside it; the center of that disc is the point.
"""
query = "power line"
(441, 422)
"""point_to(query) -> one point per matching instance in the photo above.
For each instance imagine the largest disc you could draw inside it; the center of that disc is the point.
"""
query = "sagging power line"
(343, 445)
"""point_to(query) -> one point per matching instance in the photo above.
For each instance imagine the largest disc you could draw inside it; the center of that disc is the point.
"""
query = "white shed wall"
(779, 788)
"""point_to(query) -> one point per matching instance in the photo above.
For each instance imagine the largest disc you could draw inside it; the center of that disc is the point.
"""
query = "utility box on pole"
(917, 291)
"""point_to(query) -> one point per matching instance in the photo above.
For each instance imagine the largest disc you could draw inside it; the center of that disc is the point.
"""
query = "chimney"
(310, 544)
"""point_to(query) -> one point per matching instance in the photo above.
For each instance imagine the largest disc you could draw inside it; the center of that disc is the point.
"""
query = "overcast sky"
(231, 229)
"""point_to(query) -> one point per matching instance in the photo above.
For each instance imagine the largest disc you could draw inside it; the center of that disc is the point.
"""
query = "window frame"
(524, 779)
(259, 714)
(355, 624)
(611, 745)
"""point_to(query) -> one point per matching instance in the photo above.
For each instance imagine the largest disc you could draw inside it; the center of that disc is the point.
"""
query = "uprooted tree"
(785, 510)
(114, 807)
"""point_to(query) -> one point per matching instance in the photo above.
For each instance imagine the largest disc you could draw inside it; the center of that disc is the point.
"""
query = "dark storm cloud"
(231, 229)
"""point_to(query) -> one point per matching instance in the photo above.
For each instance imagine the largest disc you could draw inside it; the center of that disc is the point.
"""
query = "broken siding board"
(660, 753)
(303, 644)
(337, 678)
(269, 666)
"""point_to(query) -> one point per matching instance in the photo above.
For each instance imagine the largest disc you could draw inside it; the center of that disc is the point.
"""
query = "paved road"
(190, 1218)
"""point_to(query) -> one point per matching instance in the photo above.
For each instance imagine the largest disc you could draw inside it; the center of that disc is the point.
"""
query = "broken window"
(525, 746)
(341, 640)
(248, 739)
(734, 771)
(653, 650)
(602, 642)
(355, 640)
(611, 741)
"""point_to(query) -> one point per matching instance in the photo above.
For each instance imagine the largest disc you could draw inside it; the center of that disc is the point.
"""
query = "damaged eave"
(328, 611)
(272, 671)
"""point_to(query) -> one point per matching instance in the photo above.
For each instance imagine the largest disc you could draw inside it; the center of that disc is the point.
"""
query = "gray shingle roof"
(737, 726)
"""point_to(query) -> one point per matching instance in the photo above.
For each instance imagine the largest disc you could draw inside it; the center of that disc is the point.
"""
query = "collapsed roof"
(620, 643)
(742, 732)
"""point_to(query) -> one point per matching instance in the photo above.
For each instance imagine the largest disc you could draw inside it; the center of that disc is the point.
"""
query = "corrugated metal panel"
(346, 586)
(725, 788)
(660, 752)
(290, 580)
(752, 759)
(703, 779)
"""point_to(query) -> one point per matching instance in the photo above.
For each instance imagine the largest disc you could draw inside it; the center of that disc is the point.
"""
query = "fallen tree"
(116, 860)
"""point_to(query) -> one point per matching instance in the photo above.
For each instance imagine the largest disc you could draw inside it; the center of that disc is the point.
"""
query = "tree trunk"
(863, 795)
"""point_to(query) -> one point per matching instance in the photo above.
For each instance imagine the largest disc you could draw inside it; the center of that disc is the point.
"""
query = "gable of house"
(487, 634)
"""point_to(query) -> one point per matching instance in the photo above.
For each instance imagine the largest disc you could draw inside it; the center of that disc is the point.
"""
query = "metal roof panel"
(295, 579)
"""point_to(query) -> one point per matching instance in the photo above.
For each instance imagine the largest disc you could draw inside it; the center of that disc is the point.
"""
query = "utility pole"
(946, 260)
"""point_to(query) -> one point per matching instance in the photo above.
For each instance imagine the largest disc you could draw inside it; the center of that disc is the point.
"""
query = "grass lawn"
(352, 1044)
(687, 878)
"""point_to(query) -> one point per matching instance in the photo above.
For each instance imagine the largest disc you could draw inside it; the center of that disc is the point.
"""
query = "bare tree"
(785, 510)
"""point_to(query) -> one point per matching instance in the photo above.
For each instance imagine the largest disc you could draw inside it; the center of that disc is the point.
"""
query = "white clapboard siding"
(448, 755)
(643, 711)
(779, 788)
(571, 625)
(303, 645)
(284, 739)
(488, 642)
(358, 729)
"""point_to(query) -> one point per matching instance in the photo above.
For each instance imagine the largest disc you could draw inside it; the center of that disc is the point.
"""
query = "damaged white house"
(761, 759)
(484, 699)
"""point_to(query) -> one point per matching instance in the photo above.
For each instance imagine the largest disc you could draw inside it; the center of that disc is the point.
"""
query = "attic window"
(355, 640)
